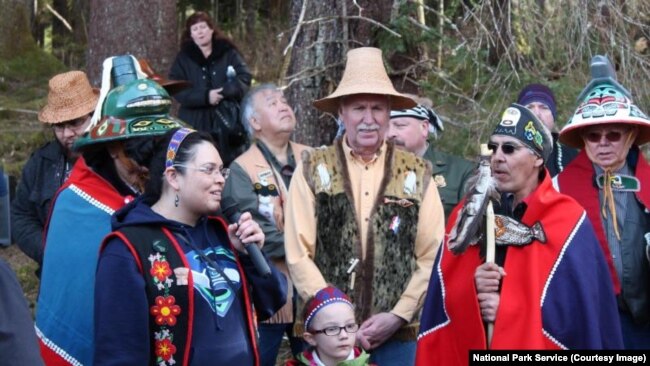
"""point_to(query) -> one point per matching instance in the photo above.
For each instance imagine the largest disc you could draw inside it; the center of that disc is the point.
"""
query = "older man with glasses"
(610, 179)
(547, 272)
(70, 101)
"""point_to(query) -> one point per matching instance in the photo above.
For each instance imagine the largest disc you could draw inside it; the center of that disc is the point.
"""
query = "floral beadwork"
(164, 348)
(164, 310)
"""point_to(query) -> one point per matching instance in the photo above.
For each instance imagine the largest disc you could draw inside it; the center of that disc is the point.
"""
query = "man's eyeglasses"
(611, 136)
(334, 331)
(73, 124)
(508, 148)
(210, 170)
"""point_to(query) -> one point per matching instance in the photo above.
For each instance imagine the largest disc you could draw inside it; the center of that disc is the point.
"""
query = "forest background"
(471, 57)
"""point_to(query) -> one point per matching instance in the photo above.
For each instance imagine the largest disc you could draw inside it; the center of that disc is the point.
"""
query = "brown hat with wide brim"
(172, 86)
(70, 97)
(364, 74)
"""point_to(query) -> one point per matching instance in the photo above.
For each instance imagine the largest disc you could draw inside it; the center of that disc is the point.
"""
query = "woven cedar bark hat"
(364, 74)
(70, 96)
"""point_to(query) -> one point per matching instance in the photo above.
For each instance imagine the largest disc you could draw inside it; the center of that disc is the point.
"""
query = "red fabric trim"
(190, 297)
(126, 242)
(90, 182)
(572, 182)
(51, 358)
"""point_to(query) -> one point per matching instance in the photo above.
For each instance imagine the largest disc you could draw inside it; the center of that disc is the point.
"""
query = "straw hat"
(364, 74)
(172, 86)
(70, 97)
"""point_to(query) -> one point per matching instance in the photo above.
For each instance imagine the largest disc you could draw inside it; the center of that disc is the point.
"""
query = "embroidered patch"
(531, 134)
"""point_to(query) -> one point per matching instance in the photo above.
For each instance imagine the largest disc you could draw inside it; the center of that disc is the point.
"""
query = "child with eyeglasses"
(330, 330)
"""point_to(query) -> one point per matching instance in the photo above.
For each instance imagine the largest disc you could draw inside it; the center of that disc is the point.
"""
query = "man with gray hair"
(258, 183)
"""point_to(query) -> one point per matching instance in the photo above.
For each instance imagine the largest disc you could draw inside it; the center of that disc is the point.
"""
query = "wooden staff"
(489, 236)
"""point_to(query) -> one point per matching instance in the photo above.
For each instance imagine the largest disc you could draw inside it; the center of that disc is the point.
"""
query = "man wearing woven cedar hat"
(415, 130)
(363, 215)
(116, 148)
(70, 102)
(611, 179)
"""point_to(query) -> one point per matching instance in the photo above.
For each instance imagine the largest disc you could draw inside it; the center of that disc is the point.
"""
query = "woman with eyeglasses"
(174, 285)
(610, 178)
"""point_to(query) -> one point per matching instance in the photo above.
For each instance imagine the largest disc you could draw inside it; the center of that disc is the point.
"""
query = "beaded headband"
(174, 144)
(323, 297)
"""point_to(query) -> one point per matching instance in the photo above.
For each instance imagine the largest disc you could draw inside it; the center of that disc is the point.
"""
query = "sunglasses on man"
(611, 136)
(508, 148)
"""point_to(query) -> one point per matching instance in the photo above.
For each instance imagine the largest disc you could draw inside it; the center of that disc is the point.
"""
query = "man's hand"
(377, 329)
(488, 277)
(489, 304)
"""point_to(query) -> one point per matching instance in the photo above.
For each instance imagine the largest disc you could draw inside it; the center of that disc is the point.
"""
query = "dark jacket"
(18, 344)
(219, 330)
(43, 174)
(450, 173)
(206, 74)
(560, 157)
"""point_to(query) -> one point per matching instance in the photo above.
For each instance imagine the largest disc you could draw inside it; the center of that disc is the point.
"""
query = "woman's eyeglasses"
(208, 170)
(611, 136)
(508, 148)
(334, 331)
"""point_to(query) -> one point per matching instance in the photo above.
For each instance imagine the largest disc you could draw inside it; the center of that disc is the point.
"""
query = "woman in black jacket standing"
(219, 77)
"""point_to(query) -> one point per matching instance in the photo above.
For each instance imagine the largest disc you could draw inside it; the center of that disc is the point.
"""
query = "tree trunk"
(502, 31)
(141, 28)
(316, 66)
(15, 34)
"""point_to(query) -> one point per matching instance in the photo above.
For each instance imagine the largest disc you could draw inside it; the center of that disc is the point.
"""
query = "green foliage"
(35, 64)
(23, 82)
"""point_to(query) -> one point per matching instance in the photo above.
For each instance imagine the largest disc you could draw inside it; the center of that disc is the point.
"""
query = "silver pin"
(352, 280)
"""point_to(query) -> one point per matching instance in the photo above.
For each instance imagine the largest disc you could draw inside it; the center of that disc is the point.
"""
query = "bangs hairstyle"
(158, 151)
(201, 16)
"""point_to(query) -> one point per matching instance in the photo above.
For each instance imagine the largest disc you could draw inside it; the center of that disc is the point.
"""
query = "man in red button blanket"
(548, 288)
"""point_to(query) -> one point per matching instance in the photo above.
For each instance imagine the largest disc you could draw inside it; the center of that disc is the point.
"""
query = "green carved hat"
(130, 105)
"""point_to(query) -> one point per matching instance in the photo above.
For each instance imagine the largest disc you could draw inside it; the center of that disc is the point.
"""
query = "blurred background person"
(219, 78)
(541, 101)
(18, 343)
(193, 297)
(416, 130)
(70, 102)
